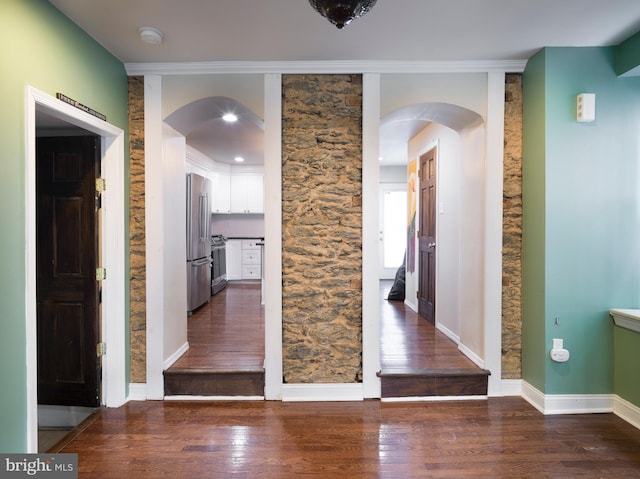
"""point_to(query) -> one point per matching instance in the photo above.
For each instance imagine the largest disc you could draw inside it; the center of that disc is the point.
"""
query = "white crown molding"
(359, 66)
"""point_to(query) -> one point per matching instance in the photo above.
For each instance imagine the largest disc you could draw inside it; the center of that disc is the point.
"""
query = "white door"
(393, 227)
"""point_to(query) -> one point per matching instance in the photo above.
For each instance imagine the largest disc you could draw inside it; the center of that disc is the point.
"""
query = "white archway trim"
(114, 375)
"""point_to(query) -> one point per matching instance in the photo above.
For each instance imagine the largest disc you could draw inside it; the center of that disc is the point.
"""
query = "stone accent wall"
(512, 231)
(322, 228)
(138, 321)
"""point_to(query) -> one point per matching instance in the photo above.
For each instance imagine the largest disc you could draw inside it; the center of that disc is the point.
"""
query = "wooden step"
(433, 382)
(214, 382)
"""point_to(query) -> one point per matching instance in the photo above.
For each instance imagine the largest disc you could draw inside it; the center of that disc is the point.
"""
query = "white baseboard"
(550, 404)
(477, 360)
(137, 392)
(511, 387)
(323, 392)
(448, 333)
(626, 411)
(175, 356)
(411, 305)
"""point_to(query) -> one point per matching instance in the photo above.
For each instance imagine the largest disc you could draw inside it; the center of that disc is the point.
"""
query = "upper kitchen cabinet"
(247, 193)
(221, 192)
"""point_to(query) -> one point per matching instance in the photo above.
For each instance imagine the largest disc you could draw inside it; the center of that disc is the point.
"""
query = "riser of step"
(213, 383)
(434, 383)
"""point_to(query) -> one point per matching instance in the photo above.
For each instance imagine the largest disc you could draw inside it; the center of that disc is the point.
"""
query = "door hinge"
(101, 274)
(101, 349)
(101, 185)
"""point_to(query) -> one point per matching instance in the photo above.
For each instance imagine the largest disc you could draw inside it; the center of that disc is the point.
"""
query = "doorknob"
(431, 245)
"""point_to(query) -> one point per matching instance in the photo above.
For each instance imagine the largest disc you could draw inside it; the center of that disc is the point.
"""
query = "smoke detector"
(150, 35)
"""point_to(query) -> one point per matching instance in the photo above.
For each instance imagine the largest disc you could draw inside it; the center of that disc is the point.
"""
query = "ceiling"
(398, 30)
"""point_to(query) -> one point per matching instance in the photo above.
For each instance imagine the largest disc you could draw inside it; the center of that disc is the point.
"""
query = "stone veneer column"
(137, 303)
(512, 231)
(322, 228)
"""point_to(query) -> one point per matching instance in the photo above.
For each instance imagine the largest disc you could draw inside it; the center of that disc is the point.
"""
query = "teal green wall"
(42, 48)
(589, 199)
(628, 56)
(533, 222)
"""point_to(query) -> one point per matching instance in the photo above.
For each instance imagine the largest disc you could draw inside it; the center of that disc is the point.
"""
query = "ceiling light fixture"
(150, 35)
(230, 117)
(342, 12)
(239, 159)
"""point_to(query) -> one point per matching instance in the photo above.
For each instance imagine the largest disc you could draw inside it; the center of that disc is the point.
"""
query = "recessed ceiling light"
(150, 35)
(230, 117)
(239, 159)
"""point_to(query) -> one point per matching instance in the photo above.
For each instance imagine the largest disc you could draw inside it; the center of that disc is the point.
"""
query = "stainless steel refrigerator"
(198, 241)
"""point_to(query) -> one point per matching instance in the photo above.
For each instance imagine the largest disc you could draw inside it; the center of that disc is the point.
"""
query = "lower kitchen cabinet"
(244, 259)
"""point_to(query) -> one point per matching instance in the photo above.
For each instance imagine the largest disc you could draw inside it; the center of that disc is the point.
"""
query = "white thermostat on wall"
(586, 107)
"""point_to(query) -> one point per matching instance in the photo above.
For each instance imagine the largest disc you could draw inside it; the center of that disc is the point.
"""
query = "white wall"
(447, 223)
(180, 90)
(174, 298)
(467, 90)
(472, 241)
(393, 174)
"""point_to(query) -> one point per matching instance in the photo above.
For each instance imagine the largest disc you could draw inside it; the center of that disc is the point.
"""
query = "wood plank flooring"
(496, 438)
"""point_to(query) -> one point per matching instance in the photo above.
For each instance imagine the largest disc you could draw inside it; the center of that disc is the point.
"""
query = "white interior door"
(393, 227)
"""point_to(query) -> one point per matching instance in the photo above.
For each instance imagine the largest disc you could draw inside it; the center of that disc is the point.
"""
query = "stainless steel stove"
(219, 263)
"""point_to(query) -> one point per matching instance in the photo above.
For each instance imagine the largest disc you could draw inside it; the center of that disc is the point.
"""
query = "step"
(214, 382)
(433, 382)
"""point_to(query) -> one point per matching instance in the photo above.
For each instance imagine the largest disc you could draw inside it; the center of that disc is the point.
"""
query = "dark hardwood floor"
(496, 438)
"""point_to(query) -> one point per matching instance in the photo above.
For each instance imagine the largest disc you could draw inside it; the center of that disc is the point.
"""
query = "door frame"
(114, 374)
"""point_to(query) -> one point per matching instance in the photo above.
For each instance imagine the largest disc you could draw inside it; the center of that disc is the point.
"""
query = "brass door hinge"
(101, 185)
(101, 349)
(101, 274)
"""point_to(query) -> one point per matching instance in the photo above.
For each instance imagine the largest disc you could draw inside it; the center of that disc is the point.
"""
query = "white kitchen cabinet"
(247, 193)
(234, 259)
(244, 259)
(251, 259)
(221, 194)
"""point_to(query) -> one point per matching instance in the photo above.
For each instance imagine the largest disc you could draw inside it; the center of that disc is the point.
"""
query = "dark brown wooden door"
(67, 257)
(427, 238)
